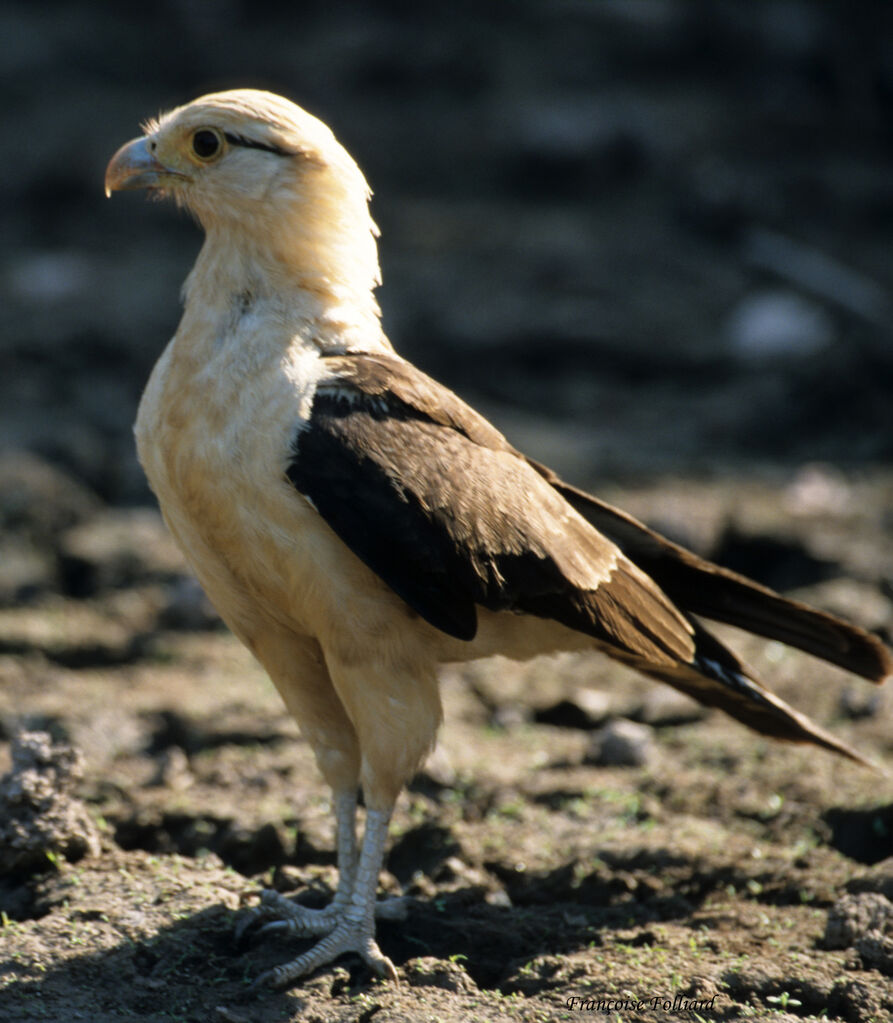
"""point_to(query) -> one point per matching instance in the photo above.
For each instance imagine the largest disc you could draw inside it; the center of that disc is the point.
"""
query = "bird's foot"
(284, 915)
(347, 924)
(347, 936)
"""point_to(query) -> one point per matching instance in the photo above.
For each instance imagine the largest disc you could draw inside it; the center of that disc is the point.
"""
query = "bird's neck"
(310, 289)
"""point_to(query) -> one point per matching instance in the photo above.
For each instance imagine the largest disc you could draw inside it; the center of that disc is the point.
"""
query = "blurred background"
(649, 238)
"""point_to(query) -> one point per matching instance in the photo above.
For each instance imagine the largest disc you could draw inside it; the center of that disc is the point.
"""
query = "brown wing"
(436, 502)
(433, 499)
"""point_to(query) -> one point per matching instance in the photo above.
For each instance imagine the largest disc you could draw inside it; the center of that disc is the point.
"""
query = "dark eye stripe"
(240, 140)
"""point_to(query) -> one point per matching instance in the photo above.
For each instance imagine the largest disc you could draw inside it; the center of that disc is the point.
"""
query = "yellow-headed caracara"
(356, 524)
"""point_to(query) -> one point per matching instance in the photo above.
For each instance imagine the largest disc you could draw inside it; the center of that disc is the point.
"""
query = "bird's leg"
(346, 845)
(290, 916)
(354, 930)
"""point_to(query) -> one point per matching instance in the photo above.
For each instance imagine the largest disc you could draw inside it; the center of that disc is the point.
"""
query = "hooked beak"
(134, 166)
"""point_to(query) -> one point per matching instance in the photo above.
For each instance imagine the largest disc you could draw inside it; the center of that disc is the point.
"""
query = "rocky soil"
(652, 241)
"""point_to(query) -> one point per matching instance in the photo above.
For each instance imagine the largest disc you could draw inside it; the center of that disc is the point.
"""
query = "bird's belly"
(227, 529)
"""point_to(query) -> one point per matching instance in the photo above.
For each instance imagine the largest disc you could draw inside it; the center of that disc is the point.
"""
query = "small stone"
(621, 743)
(856, 704)
(595, 703)
(583, 708)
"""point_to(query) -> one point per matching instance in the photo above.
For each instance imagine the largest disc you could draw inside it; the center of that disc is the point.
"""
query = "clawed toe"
(347, 936)
(395, 907)
(284, 916)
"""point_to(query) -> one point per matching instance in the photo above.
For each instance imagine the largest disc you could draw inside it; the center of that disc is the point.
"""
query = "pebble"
(622, 743)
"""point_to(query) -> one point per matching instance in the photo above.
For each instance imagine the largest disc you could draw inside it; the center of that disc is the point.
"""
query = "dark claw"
(263, 981)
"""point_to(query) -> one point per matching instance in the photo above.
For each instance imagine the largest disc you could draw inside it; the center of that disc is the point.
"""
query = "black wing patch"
(439, 506)
(716, 678)
(435, 501)
(379, 518)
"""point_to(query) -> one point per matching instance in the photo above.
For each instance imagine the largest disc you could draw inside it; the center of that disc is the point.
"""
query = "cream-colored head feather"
(272, 186)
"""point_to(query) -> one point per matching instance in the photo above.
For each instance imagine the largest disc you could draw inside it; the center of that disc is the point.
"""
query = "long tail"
(716, 678)
(702, 588)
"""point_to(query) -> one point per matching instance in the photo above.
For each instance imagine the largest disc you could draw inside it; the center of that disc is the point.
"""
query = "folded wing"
(437, 503)
(439, 506)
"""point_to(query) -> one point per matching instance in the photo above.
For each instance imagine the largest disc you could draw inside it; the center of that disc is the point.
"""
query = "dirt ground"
(651, 239)
(737, 876)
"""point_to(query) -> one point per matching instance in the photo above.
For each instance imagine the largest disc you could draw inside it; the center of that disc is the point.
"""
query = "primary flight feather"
(356, 524)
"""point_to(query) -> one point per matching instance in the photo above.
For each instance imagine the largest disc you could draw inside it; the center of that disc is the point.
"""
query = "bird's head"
(263, 177)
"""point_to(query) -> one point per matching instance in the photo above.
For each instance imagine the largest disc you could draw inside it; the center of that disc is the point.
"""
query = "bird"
(357, 525)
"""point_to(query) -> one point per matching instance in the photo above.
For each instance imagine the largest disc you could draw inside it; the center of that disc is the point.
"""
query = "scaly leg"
(284, 915)
(297, 919)
(354, 924)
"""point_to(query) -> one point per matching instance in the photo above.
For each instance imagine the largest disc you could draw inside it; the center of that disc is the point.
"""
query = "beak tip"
(133, 166)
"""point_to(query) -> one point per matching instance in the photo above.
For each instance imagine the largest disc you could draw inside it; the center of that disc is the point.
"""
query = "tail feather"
(702, 588)
(716, 678)
(713, 675)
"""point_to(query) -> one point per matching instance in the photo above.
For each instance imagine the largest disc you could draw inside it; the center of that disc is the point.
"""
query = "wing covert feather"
(436, 502)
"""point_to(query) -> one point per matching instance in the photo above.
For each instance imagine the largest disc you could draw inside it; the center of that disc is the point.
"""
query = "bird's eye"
(206, 144)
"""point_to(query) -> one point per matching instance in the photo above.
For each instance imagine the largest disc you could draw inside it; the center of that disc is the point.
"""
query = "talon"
(301, 926)
(385, 969)
(270, 898)
(346, 937)
(286, 917)
(264, 980)
(246, 921)
(269, 903)
(272, 927)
